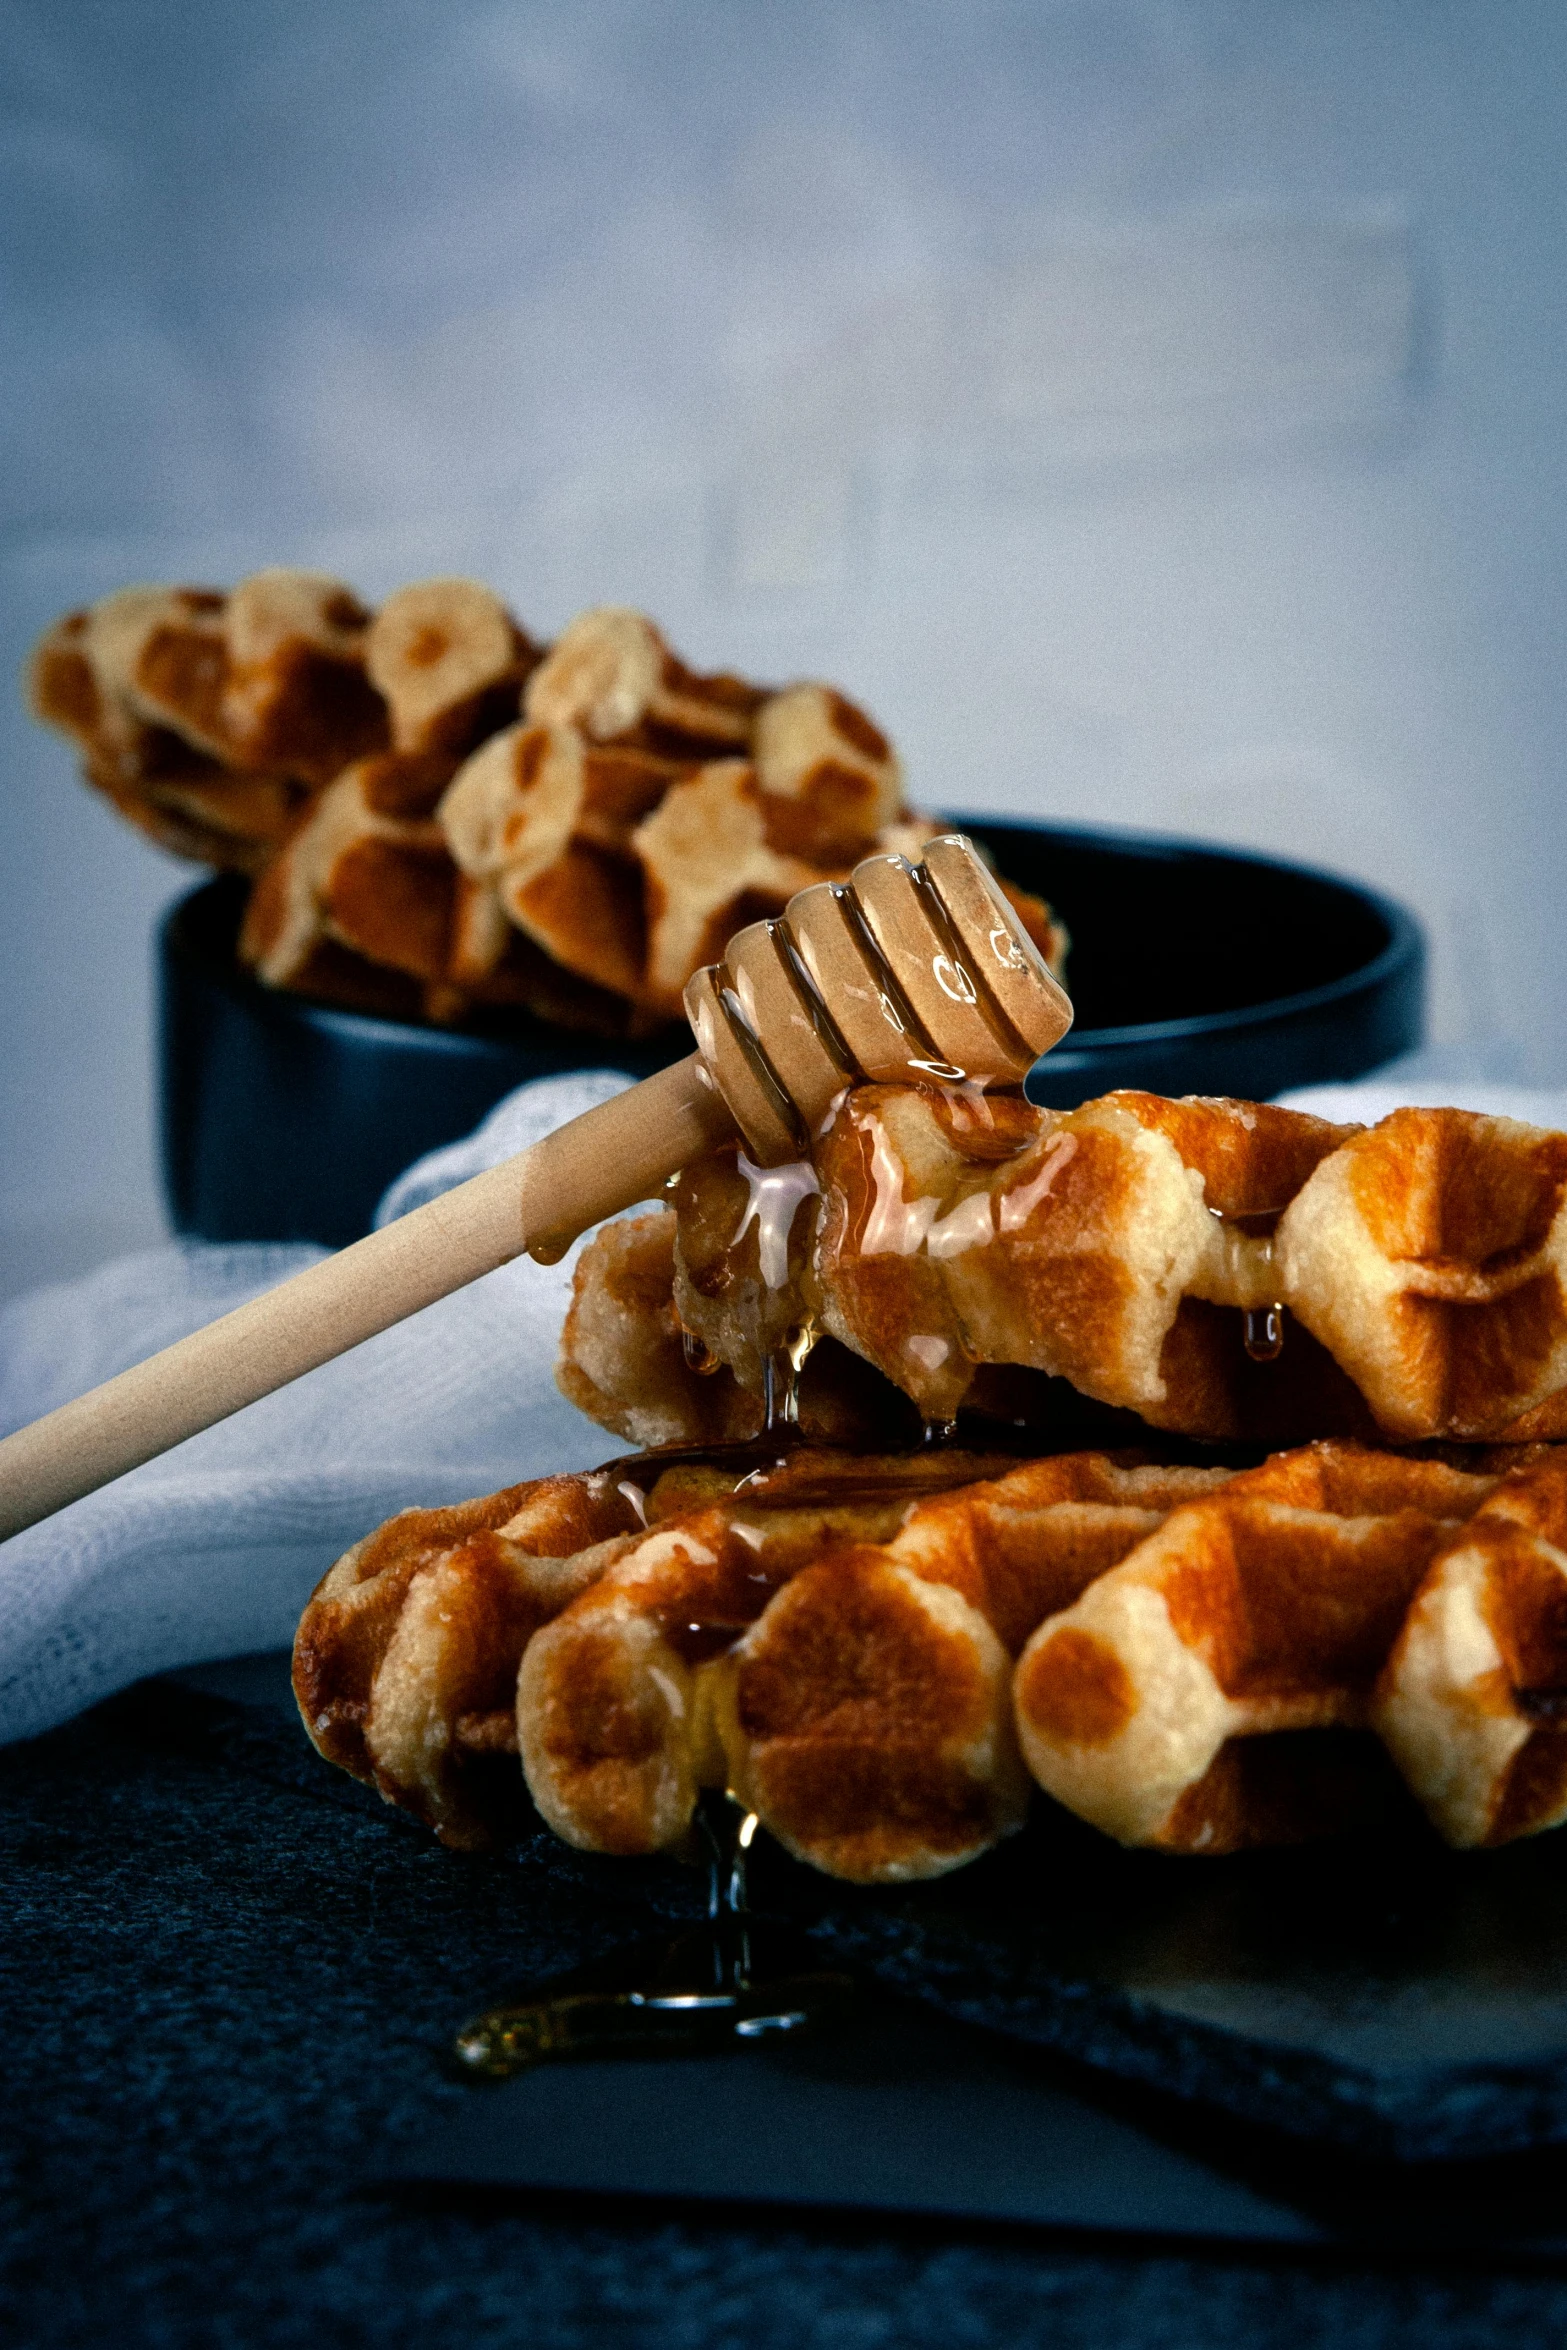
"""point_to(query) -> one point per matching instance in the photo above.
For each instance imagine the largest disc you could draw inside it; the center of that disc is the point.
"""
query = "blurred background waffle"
(440, 818)
(450, 860)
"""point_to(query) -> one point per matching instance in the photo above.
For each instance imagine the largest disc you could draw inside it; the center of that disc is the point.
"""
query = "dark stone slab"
(899, 2111)
(227, 1981)
(1381, 1995)
(1385, 1996)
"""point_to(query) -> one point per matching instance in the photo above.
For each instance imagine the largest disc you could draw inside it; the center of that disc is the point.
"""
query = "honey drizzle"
(781, 1377)
(1263, 1333)
(734, 1978)
(774, 1197)
(700, 1358)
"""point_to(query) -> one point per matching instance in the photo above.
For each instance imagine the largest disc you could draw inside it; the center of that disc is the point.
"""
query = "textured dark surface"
(1380, 1995)
(227, 1977)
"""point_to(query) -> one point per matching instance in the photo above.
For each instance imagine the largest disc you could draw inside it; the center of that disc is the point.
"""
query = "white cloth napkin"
(213, 1550)
(1371, 1098)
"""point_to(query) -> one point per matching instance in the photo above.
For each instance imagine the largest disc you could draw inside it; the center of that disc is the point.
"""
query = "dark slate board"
(898, 2111)
(1384, 1997)
(227, 1979)
(903, 2112)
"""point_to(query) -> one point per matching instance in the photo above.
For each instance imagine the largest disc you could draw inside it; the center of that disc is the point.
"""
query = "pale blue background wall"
(1153, 408)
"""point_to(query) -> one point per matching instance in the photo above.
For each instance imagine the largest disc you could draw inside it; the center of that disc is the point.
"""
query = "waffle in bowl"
(444, 818)
(207, 719)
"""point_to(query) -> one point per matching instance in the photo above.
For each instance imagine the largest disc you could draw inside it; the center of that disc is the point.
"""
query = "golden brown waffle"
(1429, 1256)
(1472, 1703)
(1225, 1270)
(866, 1715)
(612, 677)
(162, 783)
(1267, 1608)
(543, 822)
(710, 869)
(267, 680)
(407, 1657)
(405, 1663)
(606, 817)
(449, 661)
(367, 869)
(626, 1704)
(364, 905)
(1205, 1661)
(626, 1361)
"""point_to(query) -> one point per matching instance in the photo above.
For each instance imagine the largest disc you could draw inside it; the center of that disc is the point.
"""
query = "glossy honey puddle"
(733, 1980)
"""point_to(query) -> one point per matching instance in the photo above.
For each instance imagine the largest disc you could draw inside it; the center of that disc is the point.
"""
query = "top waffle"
(1226, 1270)
(444, 817)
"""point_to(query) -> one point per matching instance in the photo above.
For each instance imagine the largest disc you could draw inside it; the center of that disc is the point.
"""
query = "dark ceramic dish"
(1193, 970)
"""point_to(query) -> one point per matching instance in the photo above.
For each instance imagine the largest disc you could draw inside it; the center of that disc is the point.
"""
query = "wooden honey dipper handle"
(907, 974)
(539, 1201)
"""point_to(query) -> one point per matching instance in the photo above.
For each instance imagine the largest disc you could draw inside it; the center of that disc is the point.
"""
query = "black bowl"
(286, 1120)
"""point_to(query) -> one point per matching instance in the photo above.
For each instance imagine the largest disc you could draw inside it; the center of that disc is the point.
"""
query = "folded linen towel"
(213, 1550)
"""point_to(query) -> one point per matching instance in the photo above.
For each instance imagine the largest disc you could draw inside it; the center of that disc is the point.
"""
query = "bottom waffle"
(880, 1654)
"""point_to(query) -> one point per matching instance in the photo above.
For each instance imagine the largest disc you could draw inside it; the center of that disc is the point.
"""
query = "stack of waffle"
(1191, 1642)
(440, 816)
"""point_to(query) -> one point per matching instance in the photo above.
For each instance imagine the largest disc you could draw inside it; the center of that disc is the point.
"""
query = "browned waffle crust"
(446, 818)
(877, 1653)
(1225, 1270)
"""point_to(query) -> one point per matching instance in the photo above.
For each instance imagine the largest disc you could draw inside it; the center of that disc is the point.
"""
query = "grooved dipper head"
(905, 974)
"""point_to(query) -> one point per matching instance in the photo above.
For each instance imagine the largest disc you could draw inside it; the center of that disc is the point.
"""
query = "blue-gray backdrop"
(1152, 408)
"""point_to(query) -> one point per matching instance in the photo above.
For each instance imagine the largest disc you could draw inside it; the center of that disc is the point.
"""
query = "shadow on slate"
(905, 2113)
(1381, 1995)
(1382, 1998)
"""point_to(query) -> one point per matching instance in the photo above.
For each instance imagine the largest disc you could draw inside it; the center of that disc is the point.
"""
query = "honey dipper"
(904, 974)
